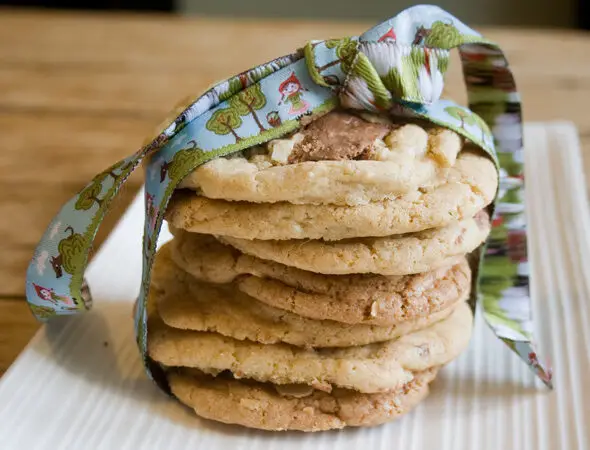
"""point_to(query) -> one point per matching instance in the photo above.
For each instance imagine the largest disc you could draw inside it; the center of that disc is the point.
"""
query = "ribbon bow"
(396, 67)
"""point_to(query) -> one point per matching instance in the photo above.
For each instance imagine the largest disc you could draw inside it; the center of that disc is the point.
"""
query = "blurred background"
(537, 13)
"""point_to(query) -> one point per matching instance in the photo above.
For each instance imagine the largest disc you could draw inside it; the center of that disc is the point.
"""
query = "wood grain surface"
(80, 91)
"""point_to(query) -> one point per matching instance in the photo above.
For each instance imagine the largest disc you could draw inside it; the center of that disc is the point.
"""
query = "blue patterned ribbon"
(396, 67)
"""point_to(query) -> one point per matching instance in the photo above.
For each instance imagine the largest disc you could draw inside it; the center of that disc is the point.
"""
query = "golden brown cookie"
(339, 159)
(262, 406)
(392, 255)
(357, 298)
(186, 303)
(369, 368)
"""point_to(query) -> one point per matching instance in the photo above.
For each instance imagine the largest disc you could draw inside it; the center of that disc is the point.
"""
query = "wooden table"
(80, 91)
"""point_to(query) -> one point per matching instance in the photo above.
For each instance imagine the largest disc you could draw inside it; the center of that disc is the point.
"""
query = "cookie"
(370, 368)
(363, 298)
(262, 406)
(339, 158)
(349, 303)
(186, 303)
(392, 255)
(470, 185)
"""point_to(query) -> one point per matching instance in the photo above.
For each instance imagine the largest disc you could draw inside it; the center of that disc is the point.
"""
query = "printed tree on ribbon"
(183, 161)
(248, 102)
(345, 51)
(71, 254)
(460, 114)
(225, 121)
(89, 195)
(72, 251)
(177, 167)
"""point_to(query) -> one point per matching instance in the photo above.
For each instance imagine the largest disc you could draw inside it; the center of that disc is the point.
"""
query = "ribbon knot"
(374, 75)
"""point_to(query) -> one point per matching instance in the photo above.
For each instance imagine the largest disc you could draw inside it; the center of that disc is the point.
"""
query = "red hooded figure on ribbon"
(292, 92)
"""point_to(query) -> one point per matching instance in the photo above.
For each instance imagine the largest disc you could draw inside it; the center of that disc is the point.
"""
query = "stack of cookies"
(320, 281)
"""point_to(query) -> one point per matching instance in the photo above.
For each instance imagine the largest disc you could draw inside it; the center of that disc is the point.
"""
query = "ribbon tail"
(55, 277)
(526, 351)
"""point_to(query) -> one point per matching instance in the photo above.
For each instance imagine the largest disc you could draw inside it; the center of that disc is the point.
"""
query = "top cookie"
(339, 159)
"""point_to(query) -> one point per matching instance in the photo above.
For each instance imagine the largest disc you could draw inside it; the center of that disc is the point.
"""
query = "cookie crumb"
(374, 309)
(321, 386)
(280, 149)
(444, 146)
(410, 139)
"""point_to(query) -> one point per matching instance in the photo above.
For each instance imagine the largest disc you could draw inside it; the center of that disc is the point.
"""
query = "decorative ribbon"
(396, 67)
